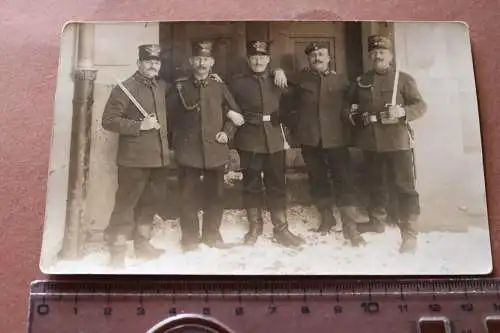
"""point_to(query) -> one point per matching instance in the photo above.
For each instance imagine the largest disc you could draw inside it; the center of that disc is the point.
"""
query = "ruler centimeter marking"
(269, 305)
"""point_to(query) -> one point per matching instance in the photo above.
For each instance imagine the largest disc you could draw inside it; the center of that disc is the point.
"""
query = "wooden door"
(228, 51)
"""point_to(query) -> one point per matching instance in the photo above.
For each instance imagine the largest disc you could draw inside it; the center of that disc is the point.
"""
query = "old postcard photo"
(266, 147)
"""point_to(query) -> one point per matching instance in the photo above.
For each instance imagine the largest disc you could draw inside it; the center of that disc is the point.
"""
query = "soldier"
(385, 136)
(143, 154)
(315, 116)
(260, 144)
(199, 107)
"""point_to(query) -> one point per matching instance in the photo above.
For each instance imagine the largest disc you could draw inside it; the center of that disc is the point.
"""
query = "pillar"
(84, 76)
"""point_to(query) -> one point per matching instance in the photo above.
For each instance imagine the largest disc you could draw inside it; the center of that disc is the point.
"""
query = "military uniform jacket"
(315, 107)
(138, 148)
(371, 92)
(197, 112)
(257, 96)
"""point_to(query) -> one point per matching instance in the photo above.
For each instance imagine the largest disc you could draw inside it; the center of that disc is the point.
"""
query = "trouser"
(136, 198)
(207, 194)
(323, 164)
(272, 166)
(397, 169)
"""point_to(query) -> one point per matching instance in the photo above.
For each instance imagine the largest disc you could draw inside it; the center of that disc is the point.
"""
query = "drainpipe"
(84, 76)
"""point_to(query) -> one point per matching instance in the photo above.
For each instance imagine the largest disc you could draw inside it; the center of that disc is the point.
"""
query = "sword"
(285, 142)
(136, 103)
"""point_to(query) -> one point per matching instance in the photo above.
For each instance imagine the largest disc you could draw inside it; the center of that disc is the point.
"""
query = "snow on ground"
(438, 253)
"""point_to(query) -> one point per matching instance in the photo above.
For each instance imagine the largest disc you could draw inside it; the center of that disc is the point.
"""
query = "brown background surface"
(29, 50)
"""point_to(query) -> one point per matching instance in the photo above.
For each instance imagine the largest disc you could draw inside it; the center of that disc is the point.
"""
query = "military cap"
(149, 52)
(314, 46)
(202, 48)
(378, 42)
(256, 47)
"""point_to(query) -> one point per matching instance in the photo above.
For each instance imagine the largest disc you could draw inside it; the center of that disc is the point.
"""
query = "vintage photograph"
(266, 148)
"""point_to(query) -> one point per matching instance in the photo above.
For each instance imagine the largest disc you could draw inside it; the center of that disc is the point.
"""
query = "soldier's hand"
(397, 111)
(216, 77)
(221, 137)
(149, 123)
(236, 118)
(280, 79)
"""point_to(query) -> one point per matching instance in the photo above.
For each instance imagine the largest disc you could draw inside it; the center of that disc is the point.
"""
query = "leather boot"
(210, 231)
(143, 249)
(255, 226)
(408, 238)
(281, 232)
(117, 250)
(375, 224)
(349, 226)
(327, 220)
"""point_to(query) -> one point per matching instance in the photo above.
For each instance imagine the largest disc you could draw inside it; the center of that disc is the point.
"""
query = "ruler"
(260, 305)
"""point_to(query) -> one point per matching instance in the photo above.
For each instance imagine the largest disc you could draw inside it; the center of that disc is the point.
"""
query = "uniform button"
(434, 325)
(493, 324)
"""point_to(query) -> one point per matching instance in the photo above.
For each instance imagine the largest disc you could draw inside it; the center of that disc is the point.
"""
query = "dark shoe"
(327, 221)
(372, 226)
(349, 226)
(281, 232)
(189, 245)
(143, 249)
(255, 226)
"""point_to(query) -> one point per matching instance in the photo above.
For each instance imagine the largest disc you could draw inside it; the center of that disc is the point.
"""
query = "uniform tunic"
(372, 91)
(317, 105)
(257, 96)
(138, 148)
(197, 112)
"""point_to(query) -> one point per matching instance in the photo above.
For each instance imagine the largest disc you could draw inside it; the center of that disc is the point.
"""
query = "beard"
(380, 64)
(150, 73)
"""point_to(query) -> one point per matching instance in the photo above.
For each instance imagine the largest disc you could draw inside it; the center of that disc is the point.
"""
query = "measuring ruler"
(261, 305)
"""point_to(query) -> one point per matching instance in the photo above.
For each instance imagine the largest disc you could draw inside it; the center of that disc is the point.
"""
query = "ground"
(439, 252)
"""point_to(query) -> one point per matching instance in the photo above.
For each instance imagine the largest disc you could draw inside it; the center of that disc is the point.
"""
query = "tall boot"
(117, 250)
(408, 237)
(210, 230)
(349, 226)
(144, 249)
(281, 232)
(255, 225)
(327, 220)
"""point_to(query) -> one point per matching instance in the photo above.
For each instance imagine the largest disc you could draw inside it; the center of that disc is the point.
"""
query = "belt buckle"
(266, 117)
(372, 118)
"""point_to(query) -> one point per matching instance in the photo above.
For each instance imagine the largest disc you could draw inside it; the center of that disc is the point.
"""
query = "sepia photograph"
(266, 148)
